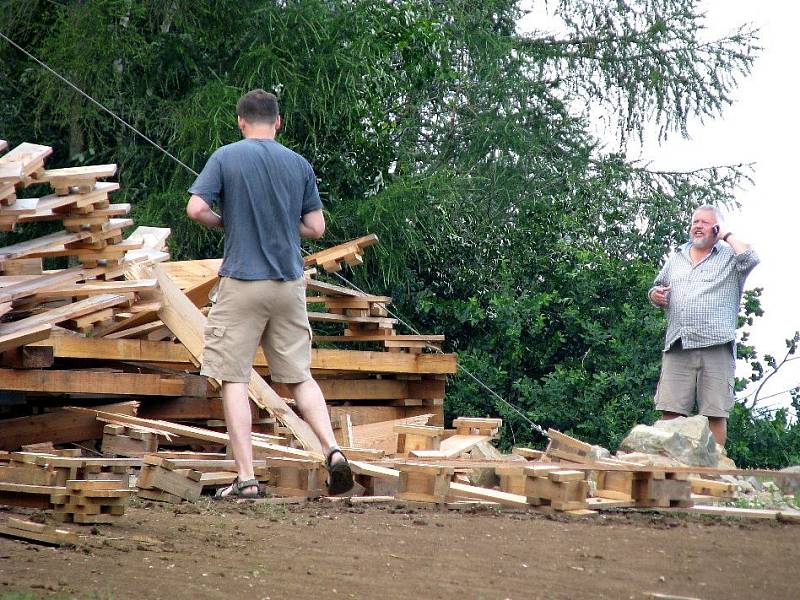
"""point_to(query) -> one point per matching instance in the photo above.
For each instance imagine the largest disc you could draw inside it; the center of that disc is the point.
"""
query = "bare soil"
(243, 550)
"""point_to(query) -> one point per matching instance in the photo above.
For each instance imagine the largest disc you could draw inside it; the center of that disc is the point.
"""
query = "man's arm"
(312, 224)
(658, 295)
(737, 245)
(198, 210)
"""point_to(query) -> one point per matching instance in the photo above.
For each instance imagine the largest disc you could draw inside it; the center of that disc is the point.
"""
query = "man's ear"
(278, 123)
(241, 123)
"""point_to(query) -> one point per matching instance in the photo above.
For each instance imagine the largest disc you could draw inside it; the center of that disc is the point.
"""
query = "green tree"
(462, 142)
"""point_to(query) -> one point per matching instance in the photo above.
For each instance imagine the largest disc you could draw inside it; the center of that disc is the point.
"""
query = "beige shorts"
(702, 374)
(248, 313)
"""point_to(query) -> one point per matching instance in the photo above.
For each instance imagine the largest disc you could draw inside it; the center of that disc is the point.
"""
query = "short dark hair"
(258, 106)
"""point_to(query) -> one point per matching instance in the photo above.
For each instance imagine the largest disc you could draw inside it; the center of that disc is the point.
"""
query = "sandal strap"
(240, 485)
(332, 452)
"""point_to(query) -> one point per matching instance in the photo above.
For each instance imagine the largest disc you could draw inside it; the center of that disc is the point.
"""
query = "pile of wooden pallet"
(100, 327)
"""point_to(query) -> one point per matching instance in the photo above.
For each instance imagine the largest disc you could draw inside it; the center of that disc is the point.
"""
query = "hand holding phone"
(715, 230)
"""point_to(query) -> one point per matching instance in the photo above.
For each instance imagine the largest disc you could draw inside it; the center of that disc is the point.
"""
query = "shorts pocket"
(215, 331)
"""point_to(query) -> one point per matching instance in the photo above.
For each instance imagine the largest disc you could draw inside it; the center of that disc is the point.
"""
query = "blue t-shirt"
(262, 190)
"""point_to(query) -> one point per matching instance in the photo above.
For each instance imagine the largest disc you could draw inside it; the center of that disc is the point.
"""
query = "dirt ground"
(243, 550)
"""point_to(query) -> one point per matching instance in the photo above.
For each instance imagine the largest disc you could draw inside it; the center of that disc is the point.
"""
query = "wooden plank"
(334, 360)
(154, 238)
(77, 176)
(64, 313)
(95, 287)
(36, 333)
(746, 513)
(479, 493)
(38, 532)
(197, 433)
(30, 156)
(330, 317)
(102, 382)
(43, 283)
(377, 471)
(53, 207)
(340, 252)
(30, 247)
(332, 289)
(85, 252)
(382, 436)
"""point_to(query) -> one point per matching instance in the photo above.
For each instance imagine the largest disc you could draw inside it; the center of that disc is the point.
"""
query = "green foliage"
(437, 125)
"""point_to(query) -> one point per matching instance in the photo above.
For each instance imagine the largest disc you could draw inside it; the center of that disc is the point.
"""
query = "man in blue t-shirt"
(268, 200)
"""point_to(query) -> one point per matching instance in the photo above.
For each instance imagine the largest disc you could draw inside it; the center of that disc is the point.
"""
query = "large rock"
(787, 483)
(687, 440)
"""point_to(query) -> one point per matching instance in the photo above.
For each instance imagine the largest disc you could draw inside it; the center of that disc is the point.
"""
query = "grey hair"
(717, 212)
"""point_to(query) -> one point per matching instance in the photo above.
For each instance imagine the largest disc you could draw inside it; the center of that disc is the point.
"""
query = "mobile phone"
(715, 230)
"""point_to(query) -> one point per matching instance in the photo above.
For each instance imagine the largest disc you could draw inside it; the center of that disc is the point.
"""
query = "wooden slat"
(197, 433)
(30, 247)
(30, 287)
(341, 252)
(63, 313)
(47, 207)
(35, 333)
(96, 287)
(58, 427)
(102, 382)
(330, 317)
(335, 360)
(31, 156)
(66, 176)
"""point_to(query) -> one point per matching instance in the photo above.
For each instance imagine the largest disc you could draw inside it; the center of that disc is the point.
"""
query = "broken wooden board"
(38, 532)
(58, 427)
(350, 252)
(747, 513)
(480, 493)
(191, 432)
(564, 447)
(453, 446)
(382, 435)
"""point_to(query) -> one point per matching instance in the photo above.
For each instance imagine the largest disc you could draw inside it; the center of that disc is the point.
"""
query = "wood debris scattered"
(119, 320)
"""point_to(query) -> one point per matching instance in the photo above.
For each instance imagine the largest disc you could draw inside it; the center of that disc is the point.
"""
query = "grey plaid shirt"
(704, 301)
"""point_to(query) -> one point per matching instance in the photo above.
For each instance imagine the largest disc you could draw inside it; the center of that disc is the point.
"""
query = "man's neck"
(259, 132)
(698, 254)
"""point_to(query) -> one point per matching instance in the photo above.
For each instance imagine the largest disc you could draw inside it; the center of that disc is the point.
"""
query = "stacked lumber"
(76, 489)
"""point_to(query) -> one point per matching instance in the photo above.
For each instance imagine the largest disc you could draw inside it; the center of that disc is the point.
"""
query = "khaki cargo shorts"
(266, 312)
(702, 374)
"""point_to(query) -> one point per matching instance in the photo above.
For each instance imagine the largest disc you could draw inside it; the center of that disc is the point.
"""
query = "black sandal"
(340, 478)
(237, 490)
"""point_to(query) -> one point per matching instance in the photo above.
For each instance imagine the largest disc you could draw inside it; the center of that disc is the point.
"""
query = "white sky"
(761, 127)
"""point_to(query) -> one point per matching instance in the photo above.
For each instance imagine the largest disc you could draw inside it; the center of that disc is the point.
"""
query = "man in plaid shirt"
(701, 286)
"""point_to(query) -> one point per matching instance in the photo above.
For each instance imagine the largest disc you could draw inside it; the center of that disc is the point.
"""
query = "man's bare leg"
(719, 427)
(312, 407)
(239, 422)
